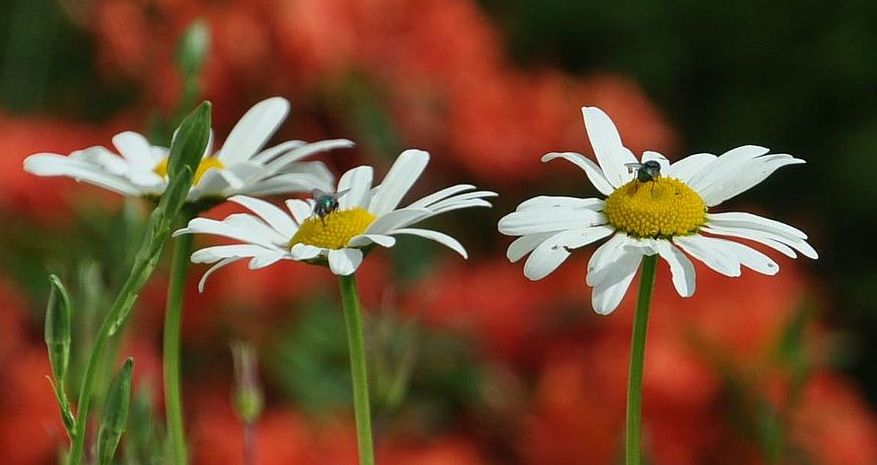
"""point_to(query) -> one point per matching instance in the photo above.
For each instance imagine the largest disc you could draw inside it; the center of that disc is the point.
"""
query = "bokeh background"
(471, 363)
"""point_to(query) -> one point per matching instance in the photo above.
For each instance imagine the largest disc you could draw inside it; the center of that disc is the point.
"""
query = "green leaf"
(192, 49)
(115, 415)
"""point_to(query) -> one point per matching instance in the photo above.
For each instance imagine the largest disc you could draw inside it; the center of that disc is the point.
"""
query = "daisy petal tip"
(603, 310)
(415, 153)
(593, 112)
(277, 103)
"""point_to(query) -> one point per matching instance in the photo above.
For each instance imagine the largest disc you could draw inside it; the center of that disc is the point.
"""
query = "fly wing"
(631, 167)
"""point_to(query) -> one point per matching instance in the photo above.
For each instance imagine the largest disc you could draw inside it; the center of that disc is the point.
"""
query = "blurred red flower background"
(502, 370)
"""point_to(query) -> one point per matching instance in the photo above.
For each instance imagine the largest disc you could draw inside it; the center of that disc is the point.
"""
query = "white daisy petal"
(252, 223)
(783, 244)
(108, 161)
(553, 251)
(459, 205)
(606, 254)
(582, 237)
(272, 215)
(548, 201)
(219, 252)
(221, 228)
(136, 149)
(294, 182)
(748, 220)
(213, 269)
(748, 176)
(266, 156)
(266, 259)
(282, 162)
(611, 154)
(397, 219)
(681, 268)
(525, 244)
(398, 181)
(727, 165)
(544, 259)
(304, 252)
(439, 237)
(469, 199)
(689, 167)
(212, 182)
(300, 209)
(625, 257)
(47, 164)
(363, 240)
(606, 298)
(344, 262)
(755, 236)
(232, 179)
(358, 182)
(753, 259)
(441, 195)
(591, 169)
(545, 220)
(701, 248)
(253, 130)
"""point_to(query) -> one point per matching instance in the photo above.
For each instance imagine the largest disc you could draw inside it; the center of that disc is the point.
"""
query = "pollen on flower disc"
(334, 230)
(664, 207)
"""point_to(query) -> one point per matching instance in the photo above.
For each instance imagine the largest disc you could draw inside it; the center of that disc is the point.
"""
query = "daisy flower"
(241, 166)
(651, 207)
(364, 216)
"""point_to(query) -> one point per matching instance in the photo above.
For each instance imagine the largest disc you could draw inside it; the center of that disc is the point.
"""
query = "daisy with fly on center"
(319, 231)
(337, 229)
(652, 207)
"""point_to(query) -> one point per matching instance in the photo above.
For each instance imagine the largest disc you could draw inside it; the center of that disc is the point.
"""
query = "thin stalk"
(356, 342)
(249, 443)
(633, 444)
(128, 292)
(173, 394)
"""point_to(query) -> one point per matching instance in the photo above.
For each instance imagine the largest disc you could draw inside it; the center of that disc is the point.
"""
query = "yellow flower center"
(334, 230)
(207, 163)
(664, 207)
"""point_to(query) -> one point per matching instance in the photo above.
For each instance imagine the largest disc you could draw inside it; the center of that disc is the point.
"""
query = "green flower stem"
(186, 150)
(173, 393)
(633, 444)
(356, 342)
(125, 298)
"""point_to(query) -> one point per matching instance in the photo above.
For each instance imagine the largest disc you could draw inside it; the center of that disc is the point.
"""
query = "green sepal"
(248, 398)
(57, 331)
(115, 413)
(58, 339)
(248, 404)
(192, 48)
(189, 141)
(187, 147)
